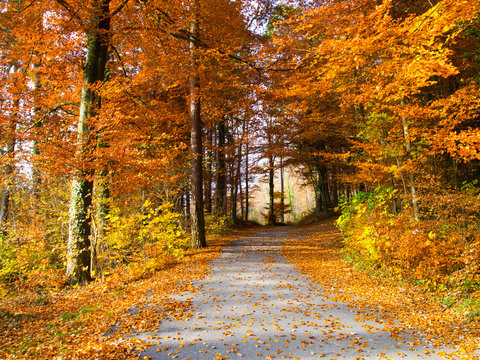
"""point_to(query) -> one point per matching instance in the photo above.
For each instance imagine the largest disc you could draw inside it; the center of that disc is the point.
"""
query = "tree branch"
(119, 8)
(67, 7)
(50, 111)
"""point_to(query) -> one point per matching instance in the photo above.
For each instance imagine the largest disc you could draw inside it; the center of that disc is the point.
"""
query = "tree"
(80, 228)
(196, 206)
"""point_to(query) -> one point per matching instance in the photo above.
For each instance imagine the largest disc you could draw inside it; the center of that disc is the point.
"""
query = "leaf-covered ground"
(255, 304)
(250, 302)
(71, 323)
(316, 250)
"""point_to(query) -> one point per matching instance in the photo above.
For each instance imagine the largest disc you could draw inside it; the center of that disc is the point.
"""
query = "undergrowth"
(441, 256)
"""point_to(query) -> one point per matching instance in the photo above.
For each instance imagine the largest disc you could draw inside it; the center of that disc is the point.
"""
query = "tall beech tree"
(97, 32)
(196, 182)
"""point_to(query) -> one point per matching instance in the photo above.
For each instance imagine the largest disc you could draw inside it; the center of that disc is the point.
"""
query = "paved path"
(255, 305)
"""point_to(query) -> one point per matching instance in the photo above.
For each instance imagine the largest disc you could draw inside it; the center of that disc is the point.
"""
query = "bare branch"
(119, 8)
(50, 111)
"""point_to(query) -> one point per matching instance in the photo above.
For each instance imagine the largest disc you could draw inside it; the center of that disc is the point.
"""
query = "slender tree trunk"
(271, 191)
(242, 205)
(282, 193)
(393, 185)
(4, 209)
(236, 169)
(7, 172)
(220, 181)
(5, 199)
(36, 175)
(335, 187)
(408, 147)
(103, 210)
(323, 185)
(238, 186)
(80, 227)
(188, 206)
(9, 133)
(196, 202)
(209, 173)
(247, 174)
(233, 194)
(315, 178)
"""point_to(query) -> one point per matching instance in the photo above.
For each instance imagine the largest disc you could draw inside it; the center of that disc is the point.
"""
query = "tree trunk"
(209, 173)
(36, 175)
(236, 171)
(78, 246)
(5, 200)
(315, 178)
(238, 187)
(408, 146)
(196, 200)
(220, 181)
(187, 204)
(247, 174)
(233, 194)
(393, 185)
(282, 194)
(324, 191)
(103, 210)
(7, 172)
(9, 133)
(242, 206)
(271, 192)
(335, 189)
(4, 209)
(321, 189)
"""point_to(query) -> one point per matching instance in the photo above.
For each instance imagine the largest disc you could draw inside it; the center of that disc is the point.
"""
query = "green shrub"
(218, 225)
(10, 267)
(144, 237)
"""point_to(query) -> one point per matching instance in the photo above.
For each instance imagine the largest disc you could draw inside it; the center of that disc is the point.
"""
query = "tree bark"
(196, 201)
(247, 174)
(36, 175)
(282, 193)
(103, 210)
(271, 192)
(242, 205)
(209, 173)
(220, 180)
(187, 204)
(236, 168)
(7, 172)
(324, 190)
(233, 193)
(238, 187)
(80, 228)
(408, 146)
(315, 179)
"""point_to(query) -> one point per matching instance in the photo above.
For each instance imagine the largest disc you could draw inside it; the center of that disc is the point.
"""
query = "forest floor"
(263, 293)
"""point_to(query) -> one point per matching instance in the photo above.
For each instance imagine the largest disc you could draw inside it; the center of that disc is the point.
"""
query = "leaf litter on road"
(272, 310)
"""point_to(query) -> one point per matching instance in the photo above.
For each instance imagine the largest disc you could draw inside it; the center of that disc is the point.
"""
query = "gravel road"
(254, 304)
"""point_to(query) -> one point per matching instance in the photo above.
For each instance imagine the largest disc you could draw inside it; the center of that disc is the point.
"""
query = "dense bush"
(217, 224)
(146, 237)
(438, 252)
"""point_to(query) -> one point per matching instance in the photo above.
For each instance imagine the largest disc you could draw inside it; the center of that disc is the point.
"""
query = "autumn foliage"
(386, 95)
(375, 103)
